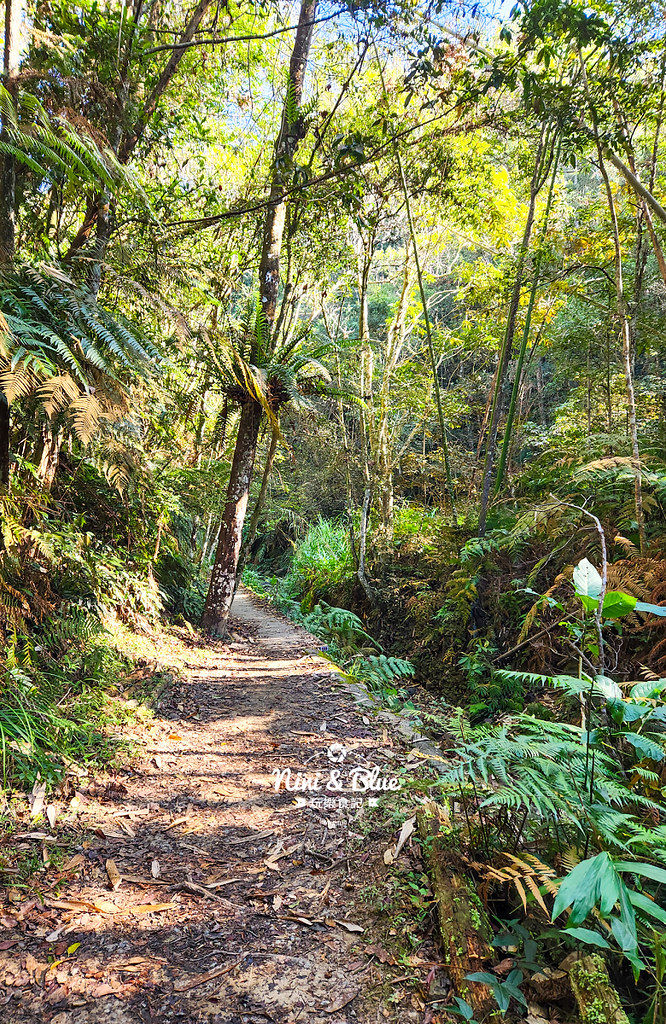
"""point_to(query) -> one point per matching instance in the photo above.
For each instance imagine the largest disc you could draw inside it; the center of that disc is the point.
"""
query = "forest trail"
(255, 911)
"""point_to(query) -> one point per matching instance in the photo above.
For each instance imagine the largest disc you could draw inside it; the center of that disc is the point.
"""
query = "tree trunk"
(506, 444)
(383, 456)
(4, 445)
(49, 457)
(463, 924)
(625, 323)
(223, 576)
(10, 67)
(291, 132)
(268, 467)
(507, 347)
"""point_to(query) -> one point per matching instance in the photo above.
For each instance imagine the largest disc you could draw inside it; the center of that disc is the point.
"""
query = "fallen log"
(595, 995)
(464, 929)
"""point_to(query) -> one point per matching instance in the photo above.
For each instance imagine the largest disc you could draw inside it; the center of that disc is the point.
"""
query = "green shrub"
(321, 560)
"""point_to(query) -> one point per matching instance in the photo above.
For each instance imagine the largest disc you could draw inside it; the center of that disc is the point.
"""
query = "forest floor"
(187, 887)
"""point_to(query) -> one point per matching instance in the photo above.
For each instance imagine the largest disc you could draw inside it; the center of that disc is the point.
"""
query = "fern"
(66, 350)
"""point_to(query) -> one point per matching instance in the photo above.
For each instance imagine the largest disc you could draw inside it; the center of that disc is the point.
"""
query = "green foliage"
(54, 704)
(321, 560)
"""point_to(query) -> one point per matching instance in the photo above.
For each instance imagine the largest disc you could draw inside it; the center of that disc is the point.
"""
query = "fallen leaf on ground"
(249, 839)
(112, 871)
(405, 833)
(150, 908)
(37, 798)
(382, 955)
(101, 906)
(350, 926)
(340, 1001)
(201, 979)
(74, 863)
(155, 868)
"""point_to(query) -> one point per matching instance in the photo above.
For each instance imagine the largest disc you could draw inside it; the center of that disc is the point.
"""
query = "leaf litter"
(131, 924)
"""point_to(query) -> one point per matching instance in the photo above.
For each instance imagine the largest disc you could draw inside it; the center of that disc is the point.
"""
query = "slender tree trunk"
(360, 572)
(223, 577)
(366, 361)
(424, 305)
(97, 207)
(261, 497)
(540, 389)
(510, 330)
(625, 323)
(291, 132)
(506, 444)
(383, 455)
(10, 66)
(49, 457)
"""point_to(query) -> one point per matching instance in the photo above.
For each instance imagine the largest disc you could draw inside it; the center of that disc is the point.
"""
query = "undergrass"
(59, 701)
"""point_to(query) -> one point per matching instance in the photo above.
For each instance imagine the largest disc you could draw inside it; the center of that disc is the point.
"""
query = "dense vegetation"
(389, 278)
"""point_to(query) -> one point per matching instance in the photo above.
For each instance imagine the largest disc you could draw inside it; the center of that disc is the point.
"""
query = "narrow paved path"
(193, 889)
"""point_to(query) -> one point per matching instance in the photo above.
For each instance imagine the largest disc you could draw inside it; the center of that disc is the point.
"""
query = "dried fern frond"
(526, 873)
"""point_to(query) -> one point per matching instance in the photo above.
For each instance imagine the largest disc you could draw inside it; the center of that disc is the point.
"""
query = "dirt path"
(234, 905)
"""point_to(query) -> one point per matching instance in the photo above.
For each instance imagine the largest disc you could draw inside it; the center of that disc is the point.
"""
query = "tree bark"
(597, 1000)
(223, 576)
(10, 65)
(49, 457)
(463, 924)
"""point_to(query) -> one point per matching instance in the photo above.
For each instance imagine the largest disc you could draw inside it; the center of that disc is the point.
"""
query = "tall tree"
(223, 576)
(10, 65)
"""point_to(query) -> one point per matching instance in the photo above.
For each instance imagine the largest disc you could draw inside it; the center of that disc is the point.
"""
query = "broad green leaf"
(608, 687)
(587, 935)
(587, 581)
(645, 746)
(616, 604)
(648, 688)
(624, 934)
(464, 1008)
(639, 867)
(592, 883)
(647, 906)
(652, 609)
(628, 711)
(483, 977)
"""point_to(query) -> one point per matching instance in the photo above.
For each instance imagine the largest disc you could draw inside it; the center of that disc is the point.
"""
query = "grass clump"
(321, 560)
